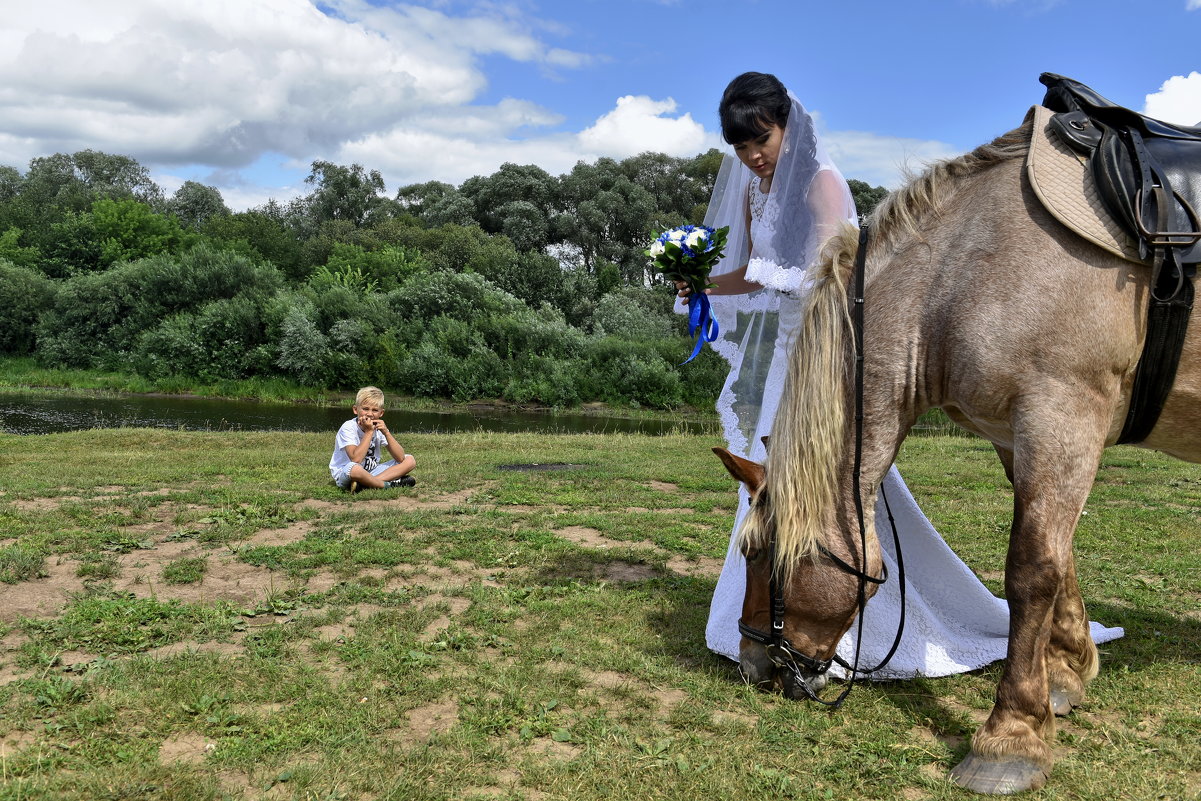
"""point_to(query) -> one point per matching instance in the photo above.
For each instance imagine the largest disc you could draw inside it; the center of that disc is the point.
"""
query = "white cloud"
(1193, 5)
(462, 142)
(882, 160)
(222, 82)
(638, 124)
(1179, 99)
(216, 86)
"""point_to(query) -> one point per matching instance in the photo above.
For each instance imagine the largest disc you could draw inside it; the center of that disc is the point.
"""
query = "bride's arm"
(732, 283)
(827, 201)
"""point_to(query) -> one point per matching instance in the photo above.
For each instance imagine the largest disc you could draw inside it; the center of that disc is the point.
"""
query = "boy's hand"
(380, 425)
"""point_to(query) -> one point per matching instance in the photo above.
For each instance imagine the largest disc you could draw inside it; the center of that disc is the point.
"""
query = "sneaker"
(403, 481)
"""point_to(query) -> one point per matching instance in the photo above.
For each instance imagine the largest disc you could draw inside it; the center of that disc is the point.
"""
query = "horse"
(979, 302)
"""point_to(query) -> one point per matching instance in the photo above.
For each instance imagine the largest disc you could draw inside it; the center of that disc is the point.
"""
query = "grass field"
(204, 616)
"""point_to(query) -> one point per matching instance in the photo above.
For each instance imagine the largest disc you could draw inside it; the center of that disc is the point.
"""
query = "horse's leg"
(1072, 658)
(1071, 654)
(1052, 475)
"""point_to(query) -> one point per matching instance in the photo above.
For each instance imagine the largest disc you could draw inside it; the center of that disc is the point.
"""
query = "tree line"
(519, 285)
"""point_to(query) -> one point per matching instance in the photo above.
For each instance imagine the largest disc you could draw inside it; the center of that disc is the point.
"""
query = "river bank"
(24, 375)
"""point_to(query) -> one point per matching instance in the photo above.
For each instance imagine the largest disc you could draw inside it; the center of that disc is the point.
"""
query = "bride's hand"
(682, 290)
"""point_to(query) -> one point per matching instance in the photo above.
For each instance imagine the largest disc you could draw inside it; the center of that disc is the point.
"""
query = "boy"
(356, 459)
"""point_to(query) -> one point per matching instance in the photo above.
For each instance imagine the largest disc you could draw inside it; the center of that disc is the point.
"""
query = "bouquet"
(688, 253)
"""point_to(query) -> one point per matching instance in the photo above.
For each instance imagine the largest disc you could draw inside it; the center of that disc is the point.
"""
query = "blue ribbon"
(700, 318)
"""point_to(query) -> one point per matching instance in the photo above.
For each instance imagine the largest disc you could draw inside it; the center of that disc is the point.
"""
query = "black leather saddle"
(1147, 172)
(1148, 175)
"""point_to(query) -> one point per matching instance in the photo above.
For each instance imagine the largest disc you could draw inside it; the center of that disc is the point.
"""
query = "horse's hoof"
(998, 777)
(1064, 701)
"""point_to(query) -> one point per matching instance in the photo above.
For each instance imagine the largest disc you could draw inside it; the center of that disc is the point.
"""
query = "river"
(46, 413)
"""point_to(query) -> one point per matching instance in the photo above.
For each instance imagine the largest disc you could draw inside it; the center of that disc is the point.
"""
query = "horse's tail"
(809, 433)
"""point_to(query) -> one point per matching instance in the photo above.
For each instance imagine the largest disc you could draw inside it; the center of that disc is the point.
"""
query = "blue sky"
(245, 94)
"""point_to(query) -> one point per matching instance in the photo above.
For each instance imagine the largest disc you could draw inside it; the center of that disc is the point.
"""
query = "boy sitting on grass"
(356, 460)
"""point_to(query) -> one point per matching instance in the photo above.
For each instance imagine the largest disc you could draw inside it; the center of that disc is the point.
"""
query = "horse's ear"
(746, 471)
(764, 441)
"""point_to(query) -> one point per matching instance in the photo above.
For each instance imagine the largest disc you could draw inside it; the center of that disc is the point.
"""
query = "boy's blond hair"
(365, 394)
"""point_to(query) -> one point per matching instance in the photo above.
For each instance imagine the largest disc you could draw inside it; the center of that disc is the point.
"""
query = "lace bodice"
(767, 268)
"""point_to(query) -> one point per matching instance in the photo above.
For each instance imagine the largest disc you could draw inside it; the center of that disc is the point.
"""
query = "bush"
(303, 350)
(633, 313)
(452, 361)
(24, 292)
(622, 371)
(461, 296)
(97, 318)
(223, 340)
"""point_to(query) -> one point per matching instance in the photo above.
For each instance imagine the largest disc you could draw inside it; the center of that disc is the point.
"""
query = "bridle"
(779, 650)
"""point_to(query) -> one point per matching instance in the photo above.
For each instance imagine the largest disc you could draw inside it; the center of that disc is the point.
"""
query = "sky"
(244, 95)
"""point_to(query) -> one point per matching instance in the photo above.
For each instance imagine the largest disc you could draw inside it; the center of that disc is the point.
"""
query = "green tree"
(14, 252)
(606, 217)
(344, 193)
(24, 293)
(195, 204)
(127, 230)
(261, 236)
(866, 196)
(417, 199)
(516, 200)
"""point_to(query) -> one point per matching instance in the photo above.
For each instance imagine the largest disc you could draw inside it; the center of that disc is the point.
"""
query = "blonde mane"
(809, 435)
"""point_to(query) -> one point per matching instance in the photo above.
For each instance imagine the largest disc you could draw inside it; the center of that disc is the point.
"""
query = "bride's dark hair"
(752, 103)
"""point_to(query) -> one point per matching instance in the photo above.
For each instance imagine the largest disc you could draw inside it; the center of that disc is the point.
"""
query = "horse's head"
(794, 613)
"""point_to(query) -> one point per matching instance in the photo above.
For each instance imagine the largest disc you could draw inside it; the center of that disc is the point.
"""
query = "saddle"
(1147, 175)
(1147, 172)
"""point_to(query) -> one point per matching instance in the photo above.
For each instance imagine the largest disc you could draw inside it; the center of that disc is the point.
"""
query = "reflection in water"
(51, 413)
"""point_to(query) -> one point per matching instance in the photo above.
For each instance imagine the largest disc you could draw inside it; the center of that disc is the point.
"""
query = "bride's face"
(760, 154)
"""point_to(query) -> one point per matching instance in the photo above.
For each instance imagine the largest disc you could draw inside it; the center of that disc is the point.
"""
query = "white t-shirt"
(351, 434)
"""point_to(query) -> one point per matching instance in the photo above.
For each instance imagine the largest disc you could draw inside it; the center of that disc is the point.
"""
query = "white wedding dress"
(952, 622)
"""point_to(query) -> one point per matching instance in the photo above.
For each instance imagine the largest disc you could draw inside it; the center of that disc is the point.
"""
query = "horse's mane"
(809, 434)
(902, 211)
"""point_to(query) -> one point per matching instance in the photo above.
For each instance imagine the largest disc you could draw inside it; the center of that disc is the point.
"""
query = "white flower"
(696, 239)
(675, 235)
(657, 249)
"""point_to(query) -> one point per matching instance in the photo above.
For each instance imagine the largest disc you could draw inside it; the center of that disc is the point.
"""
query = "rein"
(781, 652)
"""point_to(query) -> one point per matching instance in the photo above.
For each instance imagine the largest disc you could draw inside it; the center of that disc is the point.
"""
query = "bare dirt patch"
(192, 647)
(426, 721)
(702, 566)
(564, 752)
(668, 699)
(664, 486)
(225, 578)
(187, 748)
(281, 536)
(16, 741)
(457, 607)
(608, 679)
(624, 572)
(39, 504)
(724, 717)
(42, 597)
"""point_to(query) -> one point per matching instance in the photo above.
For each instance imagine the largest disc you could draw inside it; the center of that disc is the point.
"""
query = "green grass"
(225, 623)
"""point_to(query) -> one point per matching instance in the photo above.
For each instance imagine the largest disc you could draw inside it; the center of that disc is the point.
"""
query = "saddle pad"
(1063, 182)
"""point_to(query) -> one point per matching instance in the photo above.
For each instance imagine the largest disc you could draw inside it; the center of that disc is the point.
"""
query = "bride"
(782, 198)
